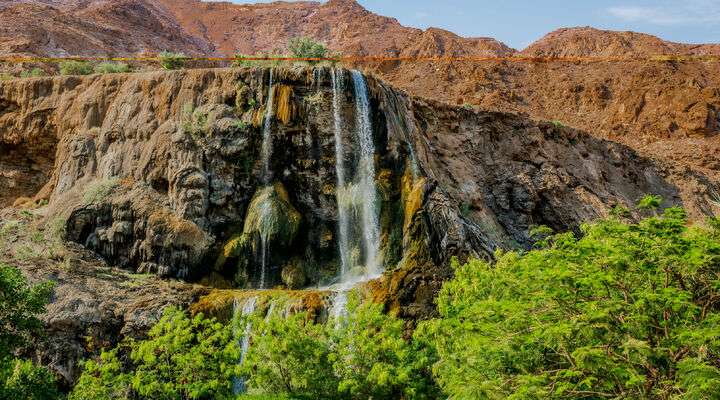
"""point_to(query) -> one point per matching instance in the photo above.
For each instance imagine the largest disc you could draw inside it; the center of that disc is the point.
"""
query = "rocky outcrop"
(93, 305)
(161, 174)
(156, 173)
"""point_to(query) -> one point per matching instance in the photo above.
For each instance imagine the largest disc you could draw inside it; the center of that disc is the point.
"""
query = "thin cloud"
(671, 13)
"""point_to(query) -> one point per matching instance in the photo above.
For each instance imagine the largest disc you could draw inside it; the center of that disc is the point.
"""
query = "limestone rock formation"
(161, 174)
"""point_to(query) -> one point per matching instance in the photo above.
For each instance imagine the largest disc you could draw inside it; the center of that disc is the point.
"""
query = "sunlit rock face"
(166, 173)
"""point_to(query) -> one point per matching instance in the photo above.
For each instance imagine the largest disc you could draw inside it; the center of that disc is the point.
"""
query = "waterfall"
(267, 144)
(267, 147)
(358, 193)
(343, 217)
(246, 310)
(263, 256)
(366, 171)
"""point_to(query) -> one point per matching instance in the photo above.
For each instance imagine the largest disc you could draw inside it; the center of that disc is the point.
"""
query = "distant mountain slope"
(669, 110)
(91, 28)
(591, 42)
(343, 25)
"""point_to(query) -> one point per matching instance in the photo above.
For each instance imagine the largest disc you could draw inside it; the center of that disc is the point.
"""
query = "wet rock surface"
(156, 174)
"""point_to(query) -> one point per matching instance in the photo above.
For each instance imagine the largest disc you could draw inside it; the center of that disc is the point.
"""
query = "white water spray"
(366, 171)
(267, 148)
(267, 143)
(247, 309)
(359, 229)
(343, 218)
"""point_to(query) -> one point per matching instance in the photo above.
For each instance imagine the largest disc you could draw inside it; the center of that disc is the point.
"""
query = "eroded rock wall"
(156, 172)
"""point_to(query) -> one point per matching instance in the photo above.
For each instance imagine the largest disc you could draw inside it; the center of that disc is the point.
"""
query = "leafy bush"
(626, 311)
(363, 357)
(305, 47)
(244, 60)
(21, 379)
(195, 120)
(111, 68)
(183, 358)
(73, 67)
(99, 190)
(33, 73)
(170, 60)
(20, 305)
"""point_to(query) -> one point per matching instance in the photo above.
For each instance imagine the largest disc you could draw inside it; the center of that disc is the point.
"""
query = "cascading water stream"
(343, 217)
(360, 191)
(247, 309)
(371, 226)
(267, 143)
(267, 149)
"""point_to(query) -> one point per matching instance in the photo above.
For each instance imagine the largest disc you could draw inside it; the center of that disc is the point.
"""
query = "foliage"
(99, 190)
(21, 379)
(111, 68)
(291, 356)
(195, 121)
(75, 67)
(626, 311)
(20, 305)
(169, 60)
(305, 47)
(266, 60)
(182, 358)
(364, 356)
(4, 76)
(650, 202)
(33, 73)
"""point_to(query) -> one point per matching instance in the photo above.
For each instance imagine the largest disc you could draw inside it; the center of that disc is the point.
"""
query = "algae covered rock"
(271, 217)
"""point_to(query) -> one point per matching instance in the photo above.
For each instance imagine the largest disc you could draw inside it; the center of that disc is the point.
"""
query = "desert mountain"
(591, 42)
(343, 25)
(91, 28)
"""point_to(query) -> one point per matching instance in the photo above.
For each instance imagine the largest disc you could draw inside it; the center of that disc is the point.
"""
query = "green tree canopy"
(362, 357)
(627, 311)
(183, 358)
(305, 47)
(20, 305)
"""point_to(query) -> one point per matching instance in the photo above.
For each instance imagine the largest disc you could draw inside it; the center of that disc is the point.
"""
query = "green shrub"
(195, 121)
(20, 306)
(6, 77)
(627, 311)
(182, 358)
(111, 68)
(74, 67)
(21, 379)
(243, 60)
(97, 191)
(33, 73)
(362, 357)
(305, 47)
(170, 60)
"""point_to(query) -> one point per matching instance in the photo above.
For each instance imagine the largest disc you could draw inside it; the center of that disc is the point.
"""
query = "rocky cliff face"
(99, 28)
(164, 174)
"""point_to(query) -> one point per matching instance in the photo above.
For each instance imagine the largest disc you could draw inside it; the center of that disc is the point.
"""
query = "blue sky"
(520, 22)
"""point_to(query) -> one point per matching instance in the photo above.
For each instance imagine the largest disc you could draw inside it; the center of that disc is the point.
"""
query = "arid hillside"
(666, 109)
(91, 28)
